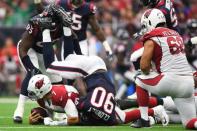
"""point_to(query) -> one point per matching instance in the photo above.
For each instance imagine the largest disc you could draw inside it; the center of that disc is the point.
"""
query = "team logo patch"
(39, 83)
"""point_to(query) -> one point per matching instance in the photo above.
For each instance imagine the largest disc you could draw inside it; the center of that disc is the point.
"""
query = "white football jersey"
(169, 55)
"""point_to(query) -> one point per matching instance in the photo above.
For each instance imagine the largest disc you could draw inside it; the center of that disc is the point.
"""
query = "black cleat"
(18, 120)
(140, 123)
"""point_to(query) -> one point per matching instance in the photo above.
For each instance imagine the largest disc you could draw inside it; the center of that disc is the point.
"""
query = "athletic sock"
(20, 106)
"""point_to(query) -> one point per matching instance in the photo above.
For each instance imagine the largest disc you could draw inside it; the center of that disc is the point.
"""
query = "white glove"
(47, 121)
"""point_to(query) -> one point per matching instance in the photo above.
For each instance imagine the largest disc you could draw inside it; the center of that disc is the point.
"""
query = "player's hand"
(63, 15)
(34, 117)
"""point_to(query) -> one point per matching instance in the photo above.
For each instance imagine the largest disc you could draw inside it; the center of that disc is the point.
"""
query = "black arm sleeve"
(48, 54)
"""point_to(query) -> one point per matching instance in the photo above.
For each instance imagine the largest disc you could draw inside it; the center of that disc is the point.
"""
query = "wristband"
(37, 1)
(107, 47)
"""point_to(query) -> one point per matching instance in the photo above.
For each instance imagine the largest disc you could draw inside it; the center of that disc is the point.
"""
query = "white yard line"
(70, 127)
(12, 100)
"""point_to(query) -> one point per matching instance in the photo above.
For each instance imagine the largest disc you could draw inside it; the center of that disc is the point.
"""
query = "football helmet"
(150, 3)
(151, 19)
(39, 86)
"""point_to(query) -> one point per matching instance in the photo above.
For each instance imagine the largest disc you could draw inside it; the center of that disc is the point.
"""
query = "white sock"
(21, 105)
(46, 36)
(144, 112)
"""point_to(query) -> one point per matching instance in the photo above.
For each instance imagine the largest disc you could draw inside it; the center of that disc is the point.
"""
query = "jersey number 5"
(76, 22)
(176, 45)
(101, 98)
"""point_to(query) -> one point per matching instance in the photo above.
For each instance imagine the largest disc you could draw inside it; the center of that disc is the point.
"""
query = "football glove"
(62, 14)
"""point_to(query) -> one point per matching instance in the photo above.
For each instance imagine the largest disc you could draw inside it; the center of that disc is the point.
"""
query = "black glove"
(46, 20)
(63, 15)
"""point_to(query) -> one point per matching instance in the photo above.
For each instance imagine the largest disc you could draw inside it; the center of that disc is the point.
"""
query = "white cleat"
(160, 112)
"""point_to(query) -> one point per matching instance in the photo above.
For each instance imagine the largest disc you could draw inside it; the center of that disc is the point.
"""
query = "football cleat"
(141, 123)
(18, 120)
(160, 112)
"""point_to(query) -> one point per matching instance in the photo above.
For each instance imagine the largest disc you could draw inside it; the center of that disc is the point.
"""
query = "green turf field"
(7, 106)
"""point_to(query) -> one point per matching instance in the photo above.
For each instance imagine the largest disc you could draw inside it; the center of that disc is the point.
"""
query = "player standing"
(164, 47)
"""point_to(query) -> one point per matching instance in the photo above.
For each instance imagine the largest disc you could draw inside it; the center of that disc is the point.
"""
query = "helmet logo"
(39, 83)
(147, 13)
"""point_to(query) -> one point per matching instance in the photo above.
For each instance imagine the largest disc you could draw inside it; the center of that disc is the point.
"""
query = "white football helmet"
(39, 85)
(151, 19)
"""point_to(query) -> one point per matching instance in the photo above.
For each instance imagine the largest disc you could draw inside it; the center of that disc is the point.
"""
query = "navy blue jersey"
(35, 31)
(80, 16)
(98, 106)
(166, 6)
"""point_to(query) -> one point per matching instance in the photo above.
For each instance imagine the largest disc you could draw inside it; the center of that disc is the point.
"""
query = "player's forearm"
(100, 34)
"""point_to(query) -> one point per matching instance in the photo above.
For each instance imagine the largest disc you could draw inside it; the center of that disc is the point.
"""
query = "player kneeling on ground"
(173, 76)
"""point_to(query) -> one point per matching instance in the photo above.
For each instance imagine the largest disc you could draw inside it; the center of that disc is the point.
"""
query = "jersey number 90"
(101, 98)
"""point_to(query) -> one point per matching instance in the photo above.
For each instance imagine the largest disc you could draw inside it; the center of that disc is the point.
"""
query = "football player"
(165, 49)
(83, 13)
(54, 98)
(30, 48)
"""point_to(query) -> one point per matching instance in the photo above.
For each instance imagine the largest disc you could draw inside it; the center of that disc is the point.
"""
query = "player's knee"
(191, 124)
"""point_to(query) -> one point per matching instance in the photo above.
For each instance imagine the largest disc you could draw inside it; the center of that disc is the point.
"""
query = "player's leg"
(153, 83)
(23, 97)
(187, 111)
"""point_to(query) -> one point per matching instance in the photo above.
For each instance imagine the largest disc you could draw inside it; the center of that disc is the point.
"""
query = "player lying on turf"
(65, 99)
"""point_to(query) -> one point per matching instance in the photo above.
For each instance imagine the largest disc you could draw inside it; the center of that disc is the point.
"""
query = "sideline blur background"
(120, 19)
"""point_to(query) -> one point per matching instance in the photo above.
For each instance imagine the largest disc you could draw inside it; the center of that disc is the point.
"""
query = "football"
(42, 112)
